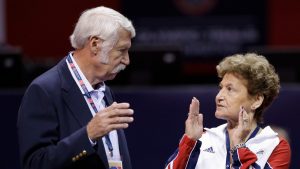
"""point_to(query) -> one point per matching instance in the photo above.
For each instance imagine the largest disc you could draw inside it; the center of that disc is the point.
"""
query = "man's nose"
(125, 60)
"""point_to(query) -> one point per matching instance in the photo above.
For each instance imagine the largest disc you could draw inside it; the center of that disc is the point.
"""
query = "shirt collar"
(100, 87)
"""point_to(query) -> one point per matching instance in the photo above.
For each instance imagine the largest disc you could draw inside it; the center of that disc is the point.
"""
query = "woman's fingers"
(194, 122)
(194, 106)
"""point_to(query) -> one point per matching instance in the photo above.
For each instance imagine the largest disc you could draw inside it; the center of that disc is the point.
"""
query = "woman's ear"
(257, 102)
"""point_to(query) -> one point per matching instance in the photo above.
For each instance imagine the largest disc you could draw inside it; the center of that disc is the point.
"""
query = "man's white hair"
(101, 22)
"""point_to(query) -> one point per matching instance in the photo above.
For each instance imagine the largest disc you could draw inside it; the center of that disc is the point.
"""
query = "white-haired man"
(68, 117)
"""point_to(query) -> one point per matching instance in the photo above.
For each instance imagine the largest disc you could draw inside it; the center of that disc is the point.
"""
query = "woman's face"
(232, 95)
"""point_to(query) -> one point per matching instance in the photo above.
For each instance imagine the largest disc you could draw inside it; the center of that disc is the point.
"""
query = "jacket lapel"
(108, 96)
(124, 150)
(73, 96)
(101, 149)
(121, 136)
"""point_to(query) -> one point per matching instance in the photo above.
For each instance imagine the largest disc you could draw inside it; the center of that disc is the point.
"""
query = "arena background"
(173, 58)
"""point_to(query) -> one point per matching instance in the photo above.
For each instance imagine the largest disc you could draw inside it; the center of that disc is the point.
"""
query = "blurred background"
(173, 58)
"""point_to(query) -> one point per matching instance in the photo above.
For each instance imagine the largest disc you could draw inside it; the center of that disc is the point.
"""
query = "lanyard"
(228, 145)
(89, 99)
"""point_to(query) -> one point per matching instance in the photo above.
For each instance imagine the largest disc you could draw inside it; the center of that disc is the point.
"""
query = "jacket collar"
(72, 95)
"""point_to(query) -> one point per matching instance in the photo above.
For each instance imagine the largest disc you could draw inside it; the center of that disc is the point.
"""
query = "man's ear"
(94, 44)
(257, 102)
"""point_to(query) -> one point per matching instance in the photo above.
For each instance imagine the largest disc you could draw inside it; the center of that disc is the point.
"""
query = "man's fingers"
(116, 105)
(111, 107)
(120, 112)
(122, 105)
(119, 126)
(120, 120)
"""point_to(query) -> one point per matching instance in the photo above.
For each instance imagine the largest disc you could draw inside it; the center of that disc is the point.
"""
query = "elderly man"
(68, 117)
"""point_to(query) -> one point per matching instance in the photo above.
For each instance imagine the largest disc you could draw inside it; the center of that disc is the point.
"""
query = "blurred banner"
(200, 28)
(213, 36)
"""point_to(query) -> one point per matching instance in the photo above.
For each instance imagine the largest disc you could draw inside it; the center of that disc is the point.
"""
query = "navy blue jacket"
(52, 123)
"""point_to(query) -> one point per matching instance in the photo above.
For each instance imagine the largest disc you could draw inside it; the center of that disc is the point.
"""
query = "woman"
(249, 85)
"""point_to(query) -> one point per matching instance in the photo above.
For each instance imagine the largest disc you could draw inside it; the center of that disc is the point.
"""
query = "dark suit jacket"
(52, 125)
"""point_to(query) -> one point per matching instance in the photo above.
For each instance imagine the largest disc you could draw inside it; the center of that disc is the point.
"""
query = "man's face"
(118, 57)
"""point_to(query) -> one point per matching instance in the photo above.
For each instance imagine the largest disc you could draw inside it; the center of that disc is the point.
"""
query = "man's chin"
(112, 76)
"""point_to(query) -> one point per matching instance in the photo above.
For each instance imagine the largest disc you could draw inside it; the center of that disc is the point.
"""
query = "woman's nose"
(219, 96)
